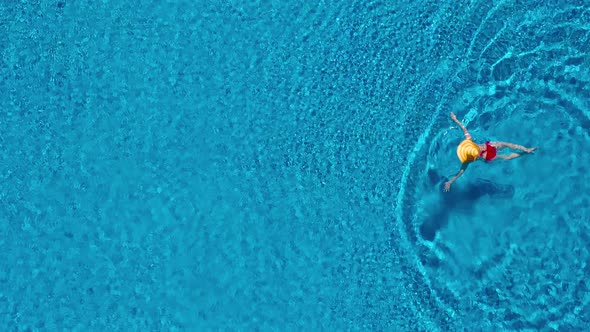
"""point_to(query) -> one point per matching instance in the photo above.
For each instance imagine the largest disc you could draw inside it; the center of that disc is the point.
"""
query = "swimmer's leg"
(501, 145)
(509, 156)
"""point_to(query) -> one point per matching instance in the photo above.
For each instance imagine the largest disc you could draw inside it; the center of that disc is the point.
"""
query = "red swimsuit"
(491, 152)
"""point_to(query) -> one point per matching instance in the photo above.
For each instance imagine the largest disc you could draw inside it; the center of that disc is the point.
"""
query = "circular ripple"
(509, 242)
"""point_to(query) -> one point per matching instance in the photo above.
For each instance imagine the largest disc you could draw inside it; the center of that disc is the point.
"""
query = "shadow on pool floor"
(461, 198)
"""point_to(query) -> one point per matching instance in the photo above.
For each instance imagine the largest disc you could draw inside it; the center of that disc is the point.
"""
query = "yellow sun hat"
(467, 151)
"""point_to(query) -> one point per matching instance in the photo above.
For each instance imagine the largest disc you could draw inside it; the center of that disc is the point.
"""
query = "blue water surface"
(278, 166)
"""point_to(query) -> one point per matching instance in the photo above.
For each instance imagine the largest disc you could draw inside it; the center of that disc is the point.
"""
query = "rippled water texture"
(225, 165)
(509, 243)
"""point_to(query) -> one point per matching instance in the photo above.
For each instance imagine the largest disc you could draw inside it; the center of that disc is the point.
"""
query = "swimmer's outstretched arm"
(448, 183)
(467, 135)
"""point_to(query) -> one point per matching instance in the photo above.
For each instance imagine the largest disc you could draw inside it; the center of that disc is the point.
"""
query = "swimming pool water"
(225, 165)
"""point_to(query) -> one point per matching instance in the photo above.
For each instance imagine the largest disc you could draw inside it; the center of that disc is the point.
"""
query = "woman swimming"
(469, 151)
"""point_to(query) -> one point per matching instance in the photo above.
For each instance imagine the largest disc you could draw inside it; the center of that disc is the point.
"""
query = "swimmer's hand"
(454, 117)
(448, 183)
(447, 186)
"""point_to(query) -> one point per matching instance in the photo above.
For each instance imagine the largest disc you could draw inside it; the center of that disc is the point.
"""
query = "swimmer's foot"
(530, 150)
